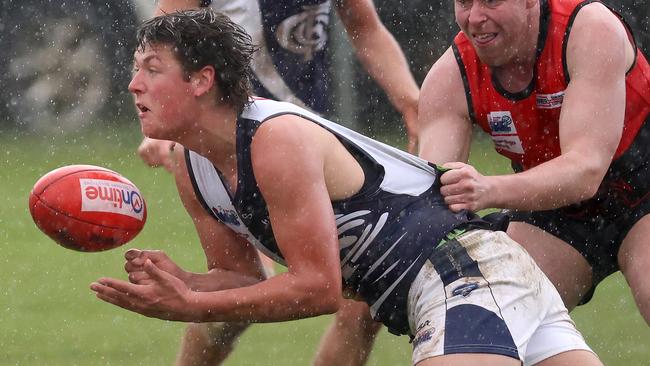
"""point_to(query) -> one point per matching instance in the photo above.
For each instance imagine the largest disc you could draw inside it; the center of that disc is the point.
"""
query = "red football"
(87, 208)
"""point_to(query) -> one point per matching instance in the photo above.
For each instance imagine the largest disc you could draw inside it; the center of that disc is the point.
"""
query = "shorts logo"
(305, 33)
(426, 336)
(504, 132)
(99, 195)
(550, 101)
(465, 289)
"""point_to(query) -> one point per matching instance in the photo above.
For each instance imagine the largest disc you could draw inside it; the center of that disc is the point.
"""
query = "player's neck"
(516, 74)
(214, 133)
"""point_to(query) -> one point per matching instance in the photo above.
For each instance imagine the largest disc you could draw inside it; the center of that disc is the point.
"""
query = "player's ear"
(203, 80)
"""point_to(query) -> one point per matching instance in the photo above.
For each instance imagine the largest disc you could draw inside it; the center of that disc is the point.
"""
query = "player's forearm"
(280, 298)
(562, 181)
(383, 59)
(218, 280)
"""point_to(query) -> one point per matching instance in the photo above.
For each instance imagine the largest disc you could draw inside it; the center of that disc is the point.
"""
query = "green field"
(50, 317)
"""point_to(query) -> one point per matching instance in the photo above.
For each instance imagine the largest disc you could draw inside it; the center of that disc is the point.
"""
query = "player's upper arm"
(288, 156)
(445, 129)
(222, 247)
(593, 110)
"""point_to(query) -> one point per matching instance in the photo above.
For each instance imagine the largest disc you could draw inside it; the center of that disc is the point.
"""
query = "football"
(87, 208)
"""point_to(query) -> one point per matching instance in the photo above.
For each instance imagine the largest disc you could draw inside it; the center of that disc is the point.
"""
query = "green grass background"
(49, 316)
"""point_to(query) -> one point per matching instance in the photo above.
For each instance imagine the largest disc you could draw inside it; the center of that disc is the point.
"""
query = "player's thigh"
(469, 359)
(567, 269)
(572, 358)
(634, 261)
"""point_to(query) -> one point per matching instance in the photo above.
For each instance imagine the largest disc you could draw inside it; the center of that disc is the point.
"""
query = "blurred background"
(64, 67)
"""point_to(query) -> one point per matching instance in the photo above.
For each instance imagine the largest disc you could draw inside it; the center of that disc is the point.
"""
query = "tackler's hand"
(464, 188)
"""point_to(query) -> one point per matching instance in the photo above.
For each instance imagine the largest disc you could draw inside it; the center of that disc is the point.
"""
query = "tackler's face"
(162, 91)
(496, 28)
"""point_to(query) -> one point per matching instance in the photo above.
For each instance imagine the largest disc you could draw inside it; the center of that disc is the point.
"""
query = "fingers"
(459, 186)
(135, 260)
(156, 273)
(118, 293)
(132, 254)
(140, 278)
(138, 256)
(112, 285)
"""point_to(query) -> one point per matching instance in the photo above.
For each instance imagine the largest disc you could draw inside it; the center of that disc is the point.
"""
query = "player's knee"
(356, 316)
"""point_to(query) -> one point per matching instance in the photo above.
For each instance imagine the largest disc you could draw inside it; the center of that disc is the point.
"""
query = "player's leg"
(567, 269)
(470, 359)
(634, 261)
(349, 339)
(572, 358)
(208, 344)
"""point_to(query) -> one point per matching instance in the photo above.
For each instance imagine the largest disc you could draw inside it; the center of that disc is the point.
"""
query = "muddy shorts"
(483, 293)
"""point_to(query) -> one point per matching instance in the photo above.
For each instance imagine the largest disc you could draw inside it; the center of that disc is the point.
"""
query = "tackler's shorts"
(483, 293)
(597, 227)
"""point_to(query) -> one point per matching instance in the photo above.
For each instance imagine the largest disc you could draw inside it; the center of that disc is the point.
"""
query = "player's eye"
(491, 3)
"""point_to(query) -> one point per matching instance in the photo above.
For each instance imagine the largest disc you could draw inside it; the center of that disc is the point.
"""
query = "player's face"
(496, 28)
(163, 94)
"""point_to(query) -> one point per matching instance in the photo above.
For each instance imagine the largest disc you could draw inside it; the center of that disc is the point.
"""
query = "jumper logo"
(228, 217)
(504, 132)
(305, 33)
(501, 122)
(549, 101)
(98, 195)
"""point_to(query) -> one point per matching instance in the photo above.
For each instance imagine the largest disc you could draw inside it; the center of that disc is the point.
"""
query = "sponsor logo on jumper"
(550, 101)
(465, 289)
(501, 122)
(305, 33)
(227, 216)
(99, 195)
(504, 132)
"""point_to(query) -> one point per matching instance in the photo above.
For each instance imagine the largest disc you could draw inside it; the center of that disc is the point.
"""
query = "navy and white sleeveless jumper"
(386, 231)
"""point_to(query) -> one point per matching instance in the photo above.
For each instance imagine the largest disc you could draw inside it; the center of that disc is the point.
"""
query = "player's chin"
(151, 130)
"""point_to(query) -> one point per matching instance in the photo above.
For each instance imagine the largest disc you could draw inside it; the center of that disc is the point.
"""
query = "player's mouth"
(483, 39)
(142, 109)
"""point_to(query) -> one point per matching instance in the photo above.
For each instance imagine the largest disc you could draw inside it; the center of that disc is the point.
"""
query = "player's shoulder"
(597, 20)
(289, 132)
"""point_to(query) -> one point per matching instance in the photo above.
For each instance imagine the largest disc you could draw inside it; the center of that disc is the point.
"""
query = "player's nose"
(136, 85)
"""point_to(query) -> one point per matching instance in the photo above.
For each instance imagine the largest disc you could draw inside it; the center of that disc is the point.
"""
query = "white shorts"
(483, 293)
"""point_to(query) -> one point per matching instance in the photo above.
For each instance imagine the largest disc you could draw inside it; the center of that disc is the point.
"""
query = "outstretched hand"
(464, 188)
(136, 258)
(162, 295)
